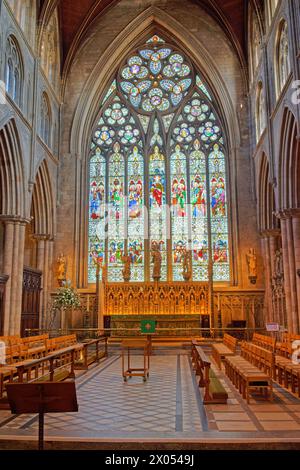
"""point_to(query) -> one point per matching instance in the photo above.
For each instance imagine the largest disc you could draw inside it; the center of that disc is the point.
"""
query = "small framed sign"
(148, 326)
(272, 326)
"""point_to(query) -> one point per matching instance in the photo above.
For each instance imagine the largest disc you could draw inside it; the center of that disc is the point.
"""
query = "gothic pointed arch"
(49, 47)
(289, 165)
(266, 203)
(282, 57)
(42, 202)
(150, 22)
(12, 189)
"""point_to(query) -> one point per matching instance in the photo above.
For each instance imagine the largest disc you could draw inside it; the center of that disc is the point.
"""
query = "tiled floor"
(167, 406)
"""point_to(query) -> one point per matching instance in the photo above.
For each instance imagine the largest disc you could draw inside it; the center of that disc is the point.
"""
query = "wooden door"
(30, 318)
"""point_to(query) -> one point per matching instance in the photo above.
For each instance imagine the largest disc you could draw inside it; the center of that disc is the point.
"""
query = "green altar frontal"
(165, 325)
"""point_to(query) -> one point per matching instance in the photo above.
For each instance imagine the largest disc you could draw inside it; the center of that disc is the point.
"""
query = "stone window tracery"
(157, 171)
(14, 71)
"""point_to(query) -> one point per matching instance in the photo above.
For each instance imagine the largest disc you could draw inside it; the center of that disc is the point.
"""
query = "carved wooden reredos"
(161, 298)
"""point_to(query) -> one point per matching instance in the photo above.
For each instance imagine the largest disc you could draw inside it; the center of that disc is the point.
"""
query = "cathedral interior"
(150, 215)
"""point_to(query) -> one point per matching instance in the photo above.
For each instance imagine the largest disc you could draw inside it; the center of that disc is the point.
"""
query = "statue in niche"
(278, 262)
(62, 269)
(186, 265)
(126, 271)
(252, 265)
(277, 280)
(181, 303)
(156, 260)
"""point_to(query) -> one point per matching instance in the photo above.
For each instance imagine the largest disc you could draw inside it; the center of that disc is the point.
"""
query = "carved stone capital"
(271, 233)
(14, 219)
(288, 213)
(41, 237)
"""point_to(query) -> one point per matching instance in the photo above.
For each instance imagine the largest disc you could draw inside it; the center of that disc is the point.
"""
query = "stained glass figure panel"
(157, 205)
(219, 218)
(116, 221)
(136, 216)
(96, 214)
(179, 211)
(199, 225)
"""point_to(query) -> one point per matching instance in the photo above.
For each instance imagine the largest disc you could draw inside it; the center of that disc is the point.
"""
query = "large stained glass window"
(158, 171)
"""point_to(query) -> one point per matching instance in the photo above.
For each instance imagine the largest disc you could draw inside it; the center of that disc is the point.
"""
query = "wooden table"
(129, 344)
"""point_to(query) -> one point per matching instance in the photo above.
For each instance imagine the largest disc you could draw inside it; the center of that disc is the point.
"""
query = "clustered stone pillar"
(270, 244)
(13, 263)
(44, 263)
(290, 225)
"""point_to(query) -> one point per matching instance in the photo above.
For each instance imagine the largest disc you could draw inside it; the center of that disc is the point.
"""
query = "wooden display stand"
(41, 398)
(127, 345)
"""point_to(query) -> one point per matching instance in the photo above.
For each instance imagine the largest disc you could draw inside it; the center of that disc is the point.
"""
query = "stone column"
(286, 269)
(19, 277)
(296, 236)
(43, 264)
(50, 280)
(40, 265)
(7, 269)
(13, 262)
(268, 275)
(292, 268)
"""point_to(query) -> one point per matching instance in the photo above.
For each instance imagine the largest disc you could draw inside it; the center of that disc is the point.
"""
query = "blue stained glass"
(155, 67)
(202, 87)
(158, 65)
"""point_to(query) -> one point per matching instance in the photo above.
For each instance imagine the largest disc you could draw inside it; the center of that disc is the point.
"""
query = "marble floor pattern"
(168, 406)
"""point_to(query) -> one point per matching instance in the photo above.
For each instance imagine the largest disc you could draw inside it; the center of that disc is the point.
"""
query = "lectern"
(41, 398)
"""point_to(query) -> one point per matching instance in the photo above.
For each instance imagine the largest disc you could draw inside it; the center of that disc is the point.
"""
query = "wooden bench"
(60, 342)
(266, 342)
(247, 377)
(6, 375)
(55, 367)
(284, 348)
(36, 345)
(262, 358)
(286, 372)
(222, 350)
(214, 392)
(19, 349)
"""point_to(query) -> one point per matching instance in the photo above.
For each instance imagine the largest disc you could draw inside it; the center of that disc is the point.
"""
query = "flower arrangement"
(66, 297)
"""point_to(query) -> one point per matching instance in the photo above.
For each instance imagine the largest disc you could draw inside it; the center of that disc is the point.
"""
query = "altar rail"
(209, 333)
